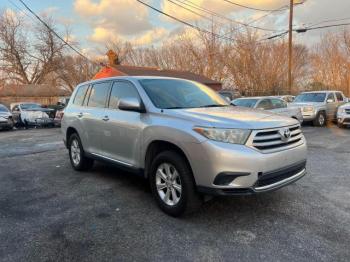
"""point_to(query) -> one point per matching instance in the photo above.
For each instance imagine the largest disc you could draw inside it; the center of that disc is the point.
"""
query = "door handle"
(80, 115)
(106, 118)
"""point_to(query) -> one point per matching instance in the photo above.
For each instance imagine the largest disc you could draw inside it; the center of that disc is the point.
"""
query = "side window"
(277, 103)
(339, 96)
(80, 95)
(15, 109)
(331, 97)
(120, 90)
(98, 95)
(264, 104)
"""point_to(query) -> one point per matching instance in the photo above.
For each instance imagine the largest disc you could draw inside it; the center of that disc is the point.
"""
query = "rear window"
(98, 95)
(79, 97)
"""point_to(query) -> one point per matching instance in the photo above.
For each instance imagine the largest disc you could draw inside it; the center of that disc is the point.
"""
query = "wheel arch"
(157, 146)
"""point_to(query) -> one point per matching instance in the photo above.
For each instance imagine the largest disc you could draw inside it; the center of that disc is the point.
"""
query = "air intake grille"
(272, 140)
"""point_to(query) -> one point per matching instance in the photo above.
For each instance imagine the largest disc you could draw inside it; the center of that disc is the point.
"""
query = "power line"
(185, 23)
(190, 10)
(302, 30)
(249, 7)
(330, 20)
(203, 9)
(54, 32)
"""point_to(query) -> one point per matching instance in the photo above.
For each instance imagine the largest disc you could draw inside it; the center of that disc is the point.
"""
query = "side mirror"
(131, 104)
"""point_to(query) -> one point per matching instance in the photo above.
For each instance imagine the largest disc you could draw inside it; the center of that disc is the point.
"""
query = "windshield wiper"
(175, 107)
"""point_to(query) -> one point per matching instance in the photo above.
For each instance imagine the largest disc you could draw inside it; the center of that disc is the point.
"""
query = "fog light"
(226, 178)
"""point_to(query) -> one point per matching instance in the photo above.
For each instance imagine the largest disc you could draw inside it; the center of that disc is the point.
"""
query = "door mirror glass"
(131, 104)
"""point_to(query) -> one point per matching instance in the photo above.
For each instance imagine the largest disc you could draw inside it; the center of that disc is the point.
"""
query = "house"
(42, 94)
(114, 69)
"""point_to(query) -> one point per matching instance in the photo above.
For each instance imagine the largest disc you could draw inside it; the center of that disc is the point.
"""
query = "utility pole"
(290, 47)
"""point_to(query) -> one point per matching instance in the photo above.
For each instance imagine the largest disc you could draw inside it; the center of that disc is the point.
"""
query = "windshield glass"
(3, 109)
(30, 106)
(178, 93)
(310, 97)
(245, 102)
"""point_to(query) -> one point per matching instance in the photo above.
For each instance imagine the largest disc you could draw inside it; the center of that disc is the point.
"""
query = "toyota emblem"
(285, 134)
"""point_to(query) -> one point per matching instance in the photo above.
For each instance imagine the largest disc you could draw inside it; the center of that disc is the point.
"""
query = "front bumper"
(6, 125)
(210, 158)
(309, 116)
(343, 119)
(279, 179)
(40, 122)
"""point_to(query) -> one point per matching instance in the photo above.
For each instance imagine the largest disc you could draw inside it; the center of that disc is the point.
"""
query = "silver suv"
(183, 137)
(319, 106)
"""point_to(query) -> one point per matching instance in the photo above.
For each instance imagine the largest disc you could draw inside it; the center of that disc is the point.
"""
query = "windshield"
(3, 109)
(178, 93)
(310, 97)
(30, 106)
(245, 102)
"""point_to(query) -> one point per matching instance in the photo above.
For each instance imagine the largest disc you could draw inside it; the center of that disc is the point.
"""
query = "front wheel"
(340, 125)
(320, 119)
(173, 185)
(76, 154)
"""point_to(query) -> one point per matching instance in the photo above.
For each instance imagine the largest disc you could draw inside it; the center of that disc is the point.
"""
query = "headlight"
(308, 109)
(341, 110)
(233, 136)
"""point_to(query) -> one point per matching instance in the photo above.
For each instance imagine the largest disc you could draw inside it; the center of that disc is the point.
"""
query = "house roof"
(153, 71)
(32, 91)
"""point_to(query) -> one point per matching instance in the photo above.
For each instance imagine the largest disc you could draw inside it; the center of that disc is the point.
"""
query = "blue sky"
(93, 22)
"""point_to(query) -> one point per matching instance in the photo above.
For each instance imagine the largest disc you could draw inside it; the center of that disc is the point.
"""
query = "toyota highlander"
(183, 137)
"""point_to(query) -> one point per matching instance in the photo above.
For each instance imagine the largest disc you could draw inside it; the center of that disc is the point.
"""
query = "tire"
(186, 200)
(320, 119)
(77, 156)
(340, 125)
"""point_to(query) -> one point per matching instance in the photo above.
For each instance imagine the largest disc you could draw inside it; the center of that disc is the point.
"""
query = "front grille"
(347, 111)
(273, 139)
(272, 177)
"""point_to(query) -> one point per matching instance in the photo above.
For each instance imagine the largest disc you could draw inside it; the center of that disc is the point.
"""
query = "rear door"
(94, 115)
(331, 106)
(121, 137)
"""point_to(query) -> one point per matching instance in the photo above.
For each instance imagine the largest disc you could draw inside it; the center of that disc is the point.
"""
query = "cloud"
(109, 17)
(223, 8)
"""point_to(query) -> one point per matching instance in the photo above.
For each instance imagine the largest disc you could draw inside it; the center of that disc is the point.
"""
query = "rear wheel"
(173, 185)
(340, 125)
(320, 119)
(76, 154)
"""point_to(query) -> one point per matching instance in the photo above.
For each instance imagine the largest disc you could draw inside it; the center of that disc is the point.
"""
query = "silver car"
(183, 137)
(343, 115)
(272, 104)
(6, 120)
(319, 106)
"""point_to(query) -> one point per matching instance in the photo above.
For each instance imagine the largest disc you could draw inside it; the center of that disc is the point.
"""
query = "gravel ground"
(48, 212)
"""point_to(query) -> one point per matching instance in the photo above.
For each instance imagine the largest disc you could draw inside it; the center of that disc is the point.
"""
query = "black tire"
(340, 125)
(320, 119)
(84, 162)
(190, 200)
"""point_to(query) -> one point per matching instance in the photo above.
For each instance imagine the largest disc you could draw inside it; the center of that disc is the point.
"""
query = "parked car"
(319, 106)
(287, 98)
(183, 137)
(230, 94)
(272, 104)
(6, 120)
(343, 115)
(31, 114)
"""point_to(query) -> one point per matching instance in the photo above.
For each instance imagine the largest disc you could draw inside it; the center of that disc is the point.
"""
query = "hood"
(42, 109)
(5, 114)
(232, 117)
(302, 104)
(347, 106)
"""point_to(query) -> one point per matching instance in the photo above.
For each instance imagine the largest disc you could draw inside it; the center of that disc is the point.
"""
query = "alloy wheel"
(75, 152)
(168, 184)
